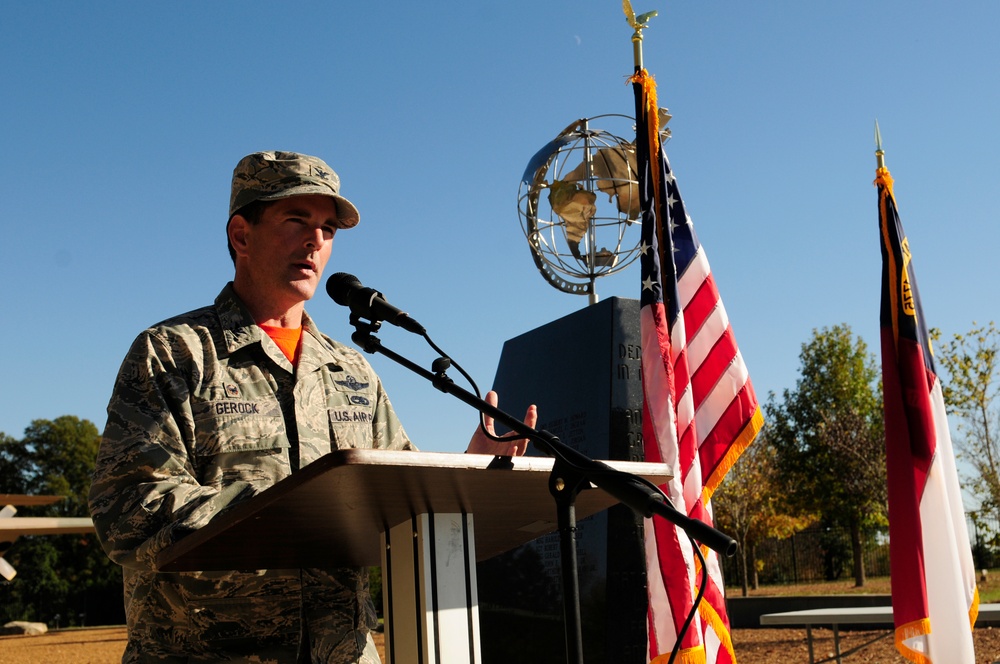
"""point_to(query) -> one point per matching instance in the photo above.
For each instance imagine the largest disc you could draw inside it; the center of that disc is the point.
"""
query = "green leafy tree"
(60, 457)
(58, 575)
(12, 459)
(751, 507)
(829, 438)
(972, 394)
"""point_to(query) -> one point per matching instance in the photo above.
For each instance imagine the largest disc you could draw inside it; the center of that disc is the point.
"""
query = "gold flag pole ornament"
(882, 176)
(641, 76)
(879, 153)
(638, 24)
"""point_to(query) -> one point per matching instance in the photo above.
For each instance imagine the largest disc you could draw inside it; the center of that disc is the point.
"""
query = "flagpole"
(638, 24)
(934, 596)
(637, 48)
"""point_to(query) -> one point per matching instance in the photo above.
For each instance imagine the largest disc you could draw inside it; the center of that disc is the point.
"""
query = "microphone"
(346, 290)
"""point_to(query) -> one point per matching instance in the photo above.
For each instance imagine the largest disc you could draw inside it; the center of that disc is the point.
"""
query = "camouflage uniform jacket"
(206, 412)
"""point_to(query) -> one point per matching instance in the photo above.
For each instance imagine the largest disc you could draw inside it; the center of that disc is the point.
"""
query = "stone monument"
(583, 372)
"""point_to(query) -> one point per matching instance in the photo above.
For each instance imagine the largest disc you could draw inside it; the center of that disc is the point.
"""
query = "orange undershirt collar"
(287, 339)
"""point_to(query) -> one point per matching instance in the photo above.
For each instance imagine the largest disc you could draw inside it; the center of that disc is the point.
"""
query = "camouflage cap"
(268, 176)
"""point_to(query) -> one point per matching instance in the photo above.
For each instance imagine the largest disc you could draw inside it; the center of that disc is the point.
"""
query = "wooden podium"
(411, 512)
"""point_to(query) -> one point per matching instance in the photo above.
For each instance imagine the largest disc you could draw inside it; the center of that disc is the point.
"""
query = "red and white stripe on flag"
(934, 596)
(699, 407)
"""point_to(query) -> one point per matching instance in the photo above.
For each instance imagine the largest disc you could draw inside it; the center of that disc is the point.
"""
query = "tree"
(828, 434)
(750, 507)
(972, 394)
(12, 459)
(60, 456)
(64, 575)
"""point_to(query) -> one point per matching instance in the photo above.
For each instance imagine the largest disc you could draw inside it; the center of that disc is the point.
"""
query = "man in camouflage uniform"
(209, 410)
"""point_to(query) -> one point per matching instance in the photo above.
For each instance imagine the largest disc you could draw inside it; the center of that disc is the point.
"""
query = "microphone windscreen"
(339, 287)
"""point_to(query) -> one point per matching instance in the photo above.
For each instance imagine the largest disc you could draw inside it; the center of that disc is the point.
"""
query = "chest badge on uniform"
(232, 390)
(360, 400)
(351, 383)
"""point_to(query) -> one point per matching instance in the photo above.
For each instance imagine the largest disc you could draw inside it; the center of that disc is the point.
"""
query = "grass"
(873, 586)
(989, 588)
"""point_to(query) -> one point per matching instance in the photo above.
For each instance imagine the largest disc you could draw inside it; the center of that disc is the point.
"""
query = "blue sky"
(121, 122)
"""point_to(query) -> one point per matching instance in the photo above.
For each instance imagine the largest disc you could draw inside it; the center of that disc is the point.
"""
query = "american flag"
(934, 596)
(699, 407)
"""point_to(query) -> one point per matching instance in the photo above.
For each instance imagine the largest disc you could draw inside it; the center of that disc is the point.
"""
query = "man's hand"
(482, 444)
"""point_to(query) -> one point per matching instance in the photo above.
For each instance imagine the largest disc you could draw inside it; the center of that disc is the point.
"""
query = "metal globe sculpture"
(578, 203)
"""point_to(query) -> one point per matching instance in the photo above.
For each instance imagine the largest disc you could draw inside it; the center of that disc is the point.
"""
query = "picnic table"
(853, 615)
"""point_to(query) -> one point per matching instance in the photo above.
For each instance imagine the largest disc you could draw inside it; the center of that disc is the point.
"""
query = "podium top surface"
(332, 512)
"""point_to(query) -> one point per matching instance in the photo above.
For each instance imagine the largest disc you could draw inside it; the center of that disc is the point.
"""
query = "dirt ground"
(753, 646)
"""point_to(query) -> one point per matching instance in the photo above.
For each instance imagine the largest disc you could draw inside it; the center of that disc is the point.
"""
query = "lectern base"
(430, 598)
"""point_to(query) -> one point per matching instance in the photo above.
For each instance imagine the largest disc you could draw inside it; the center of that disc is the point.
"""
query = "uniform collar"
(240, 330)
(238, 325)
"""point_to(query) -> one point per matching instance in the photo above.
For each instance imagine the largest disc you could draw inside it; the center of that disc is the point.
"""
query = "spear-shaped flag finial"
(879, 153)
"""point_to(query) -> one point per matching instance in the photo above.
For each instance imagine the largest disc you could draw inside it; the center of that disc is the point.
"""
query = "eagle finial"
(637, 22)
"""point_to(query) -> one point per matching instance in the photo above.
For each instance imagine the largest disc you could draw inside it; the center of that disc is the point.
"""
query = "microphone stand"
(572, 472)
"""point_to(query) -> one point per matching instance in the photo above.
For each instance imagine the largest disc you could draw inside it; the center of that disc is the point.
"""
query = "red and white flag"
(699, 407)
(934, 595)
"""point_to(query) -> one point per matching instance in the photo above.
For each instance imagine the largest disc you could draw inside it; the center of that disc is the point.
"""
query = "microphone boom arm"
(634, 491)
